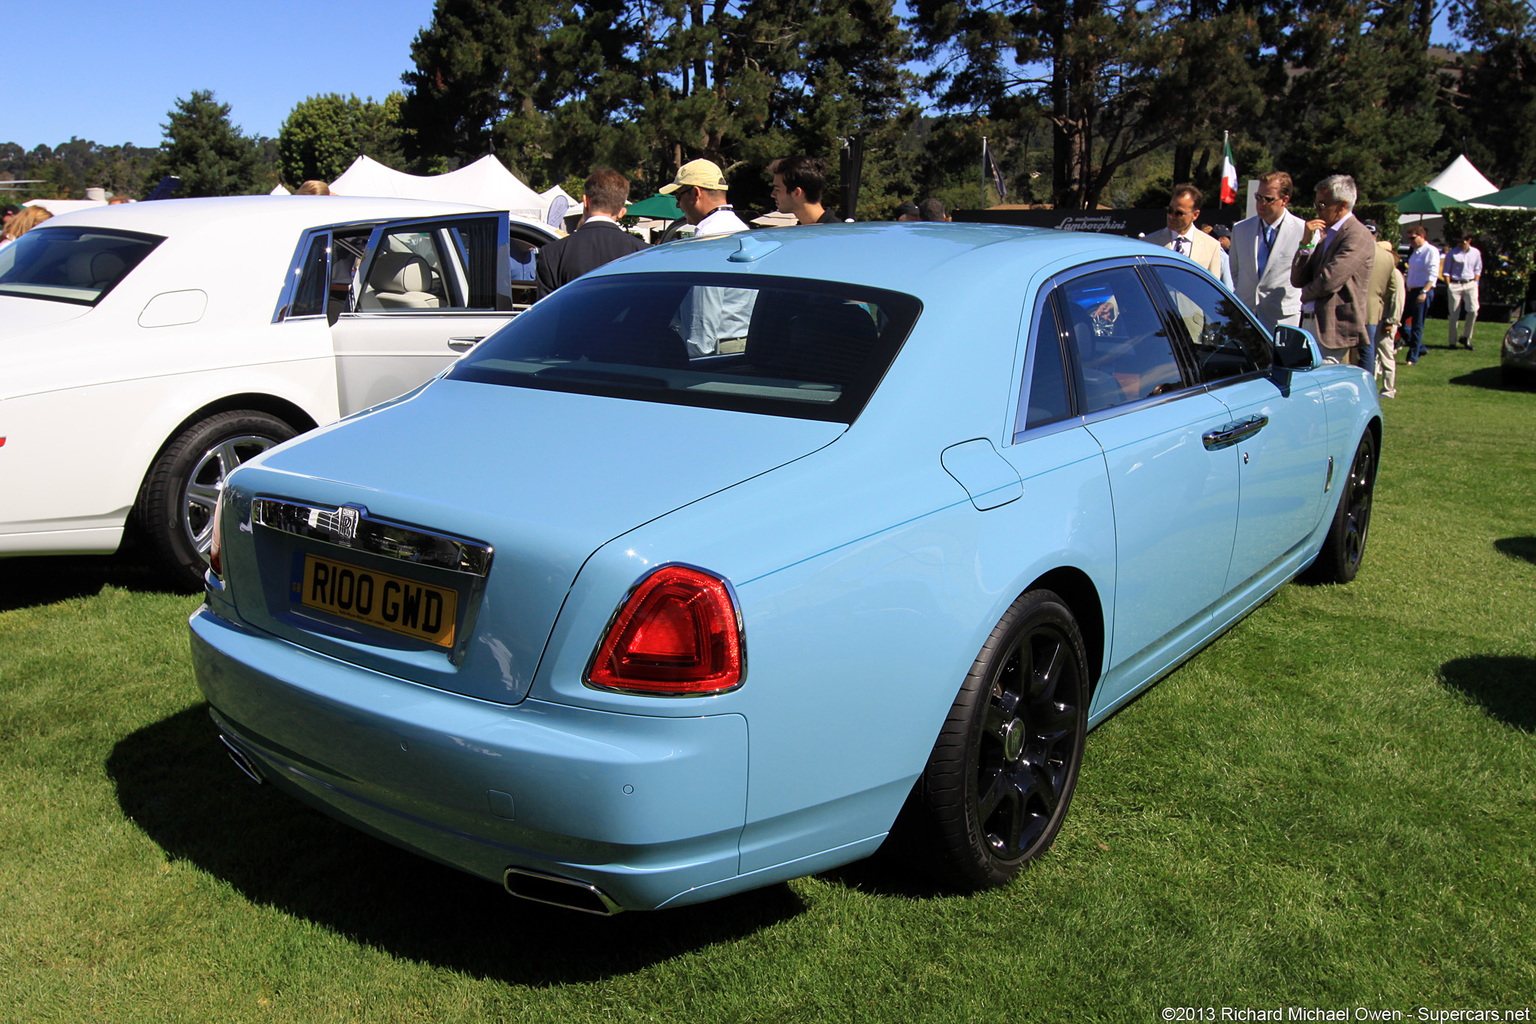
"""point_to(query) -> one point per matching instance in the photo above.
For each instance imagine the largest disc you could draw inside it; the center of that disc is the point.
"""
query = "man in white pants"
(1463, 269)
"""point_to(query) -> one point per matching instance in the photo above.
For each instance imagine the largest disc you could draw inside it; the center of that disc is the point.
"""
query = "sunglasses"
(1267, 199)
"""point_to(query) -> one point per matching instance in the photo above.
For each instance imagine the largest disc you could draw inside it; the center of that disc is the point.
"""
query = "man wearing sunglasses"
(1262, 249)
(1182, 236)
(1333, 270)
(699, 190)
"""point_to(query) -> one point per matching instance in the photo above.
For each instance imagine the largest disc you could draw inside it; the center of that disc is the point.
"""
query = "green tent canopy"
(1514, 196)
(657, 205)
(1424, 200)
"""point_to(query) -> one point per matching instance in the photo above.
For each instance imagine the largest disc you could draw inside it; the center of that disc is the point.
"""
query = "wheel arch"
(290, 413)
(1077, 589)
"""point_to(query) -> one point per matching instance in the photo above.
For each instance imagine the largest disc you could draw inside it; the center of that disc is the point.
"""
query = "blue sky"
(110, 72)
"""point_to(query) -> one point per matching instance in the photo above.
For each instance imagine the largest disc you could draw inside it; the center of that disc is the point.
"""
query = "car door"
(1278, 427)
(424, 291)
(1174, 498)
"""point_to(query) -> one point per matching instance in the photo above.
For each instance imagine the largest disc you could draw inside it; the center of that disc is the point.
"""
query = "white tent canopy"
(483, 183)
(1462, 181)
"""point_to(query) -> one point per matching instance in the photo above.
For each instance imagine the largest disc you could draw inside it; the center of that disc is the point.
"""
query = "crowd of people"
(1330, 275)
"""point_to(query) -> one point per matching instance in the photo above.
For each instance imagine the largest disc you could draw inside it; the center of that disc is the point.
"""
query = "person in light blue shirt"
(1463, 269)
(1423, 272)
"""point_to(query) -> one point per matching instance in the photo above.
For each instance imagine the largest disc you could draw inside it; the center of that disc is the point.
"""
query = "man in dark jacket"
(598, 239)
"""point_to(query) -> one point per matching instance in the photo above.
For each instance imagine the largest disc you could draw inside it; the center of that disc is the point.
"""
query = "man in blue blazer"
(1263, 247)
(599, 239)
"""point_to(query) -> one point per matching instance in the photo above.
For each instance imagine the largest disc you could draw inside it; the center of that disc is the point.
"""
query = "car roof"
(293, 213)
(924, 259)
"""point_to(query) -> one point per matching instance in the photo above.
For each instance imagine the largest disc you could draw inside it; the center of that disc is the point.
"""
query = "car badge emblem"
(341, 524)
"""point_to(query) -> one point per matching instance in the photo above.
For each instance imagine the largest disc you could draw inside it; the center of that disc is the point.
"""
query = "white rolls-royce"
(147, 349)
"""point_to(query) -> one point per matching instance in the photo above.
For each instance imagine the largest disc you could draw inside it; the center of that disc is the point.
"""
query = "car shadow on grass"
(1517, 547)
(1505, 687)
(29, 582)
(1491, 378)
(175, 783)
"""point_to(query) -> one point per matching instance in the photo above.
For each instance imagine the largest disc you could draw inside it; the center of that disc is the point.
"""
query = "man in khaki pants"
(1385, 311)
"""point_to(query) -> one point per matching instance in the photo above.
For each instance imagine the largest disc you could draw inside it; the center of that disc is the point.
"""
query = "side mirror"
(1295, 349)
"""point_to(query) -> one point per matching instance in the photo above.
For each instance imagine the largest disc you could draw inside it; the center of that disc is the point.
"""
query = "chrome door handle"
(1216, 440)
(464, 344)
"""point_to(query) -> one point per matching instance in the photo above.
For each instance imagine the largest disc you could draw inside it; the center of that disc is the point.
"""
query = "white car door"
(422, 293)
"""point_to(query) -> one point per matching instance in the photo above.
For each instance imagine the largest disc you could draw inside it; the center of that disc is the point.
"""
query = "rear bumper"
(647, 810)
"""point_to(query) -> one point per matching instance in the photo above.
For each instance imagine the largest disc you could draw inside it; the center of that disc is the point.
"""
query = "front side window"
(71, 264)
(784, 347)
(1122, 346)
(1226, 342)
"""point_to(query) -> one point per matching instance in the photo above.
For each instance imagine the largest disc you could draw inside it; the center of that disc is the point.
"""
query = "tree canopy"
(322, 135)
(207, 152)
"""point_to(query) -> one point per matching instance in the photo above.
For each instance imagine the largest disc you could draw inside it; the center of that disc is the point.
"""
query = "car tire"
(1000, 778)
(175, 509)
(1344, 548)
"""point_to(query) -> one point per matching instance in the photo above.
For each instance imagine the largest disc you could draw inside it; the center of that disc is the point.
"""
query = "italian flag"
(1228, 174)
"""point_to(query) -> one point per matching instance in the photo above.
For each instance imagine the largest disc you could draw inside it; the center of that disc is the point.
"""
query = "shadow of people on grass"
(1505, 687)
(174, 781)
(1517, 547)
(31, 581)
(1492, 378)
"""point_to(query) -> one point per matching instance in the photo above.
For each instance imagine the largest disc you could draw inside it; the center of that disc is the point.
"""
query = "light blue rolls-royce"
(735, 557)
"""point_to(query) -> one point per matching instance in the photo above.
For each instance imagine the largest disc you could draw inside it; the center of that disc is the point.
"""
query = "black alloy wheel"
(1001, 776)
(1344, 548)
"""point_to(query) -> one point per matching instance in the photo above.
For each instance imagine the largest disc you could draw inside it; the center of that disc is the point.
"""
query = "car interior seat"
(398, 280)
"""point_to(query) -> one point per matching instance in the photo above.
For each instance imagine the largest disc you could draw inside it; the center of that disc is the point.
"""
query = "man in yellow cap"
(699, 190)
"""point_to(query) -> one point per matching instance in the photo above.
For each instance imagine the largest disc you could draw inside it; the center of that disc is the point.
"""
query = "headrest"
(400, 272)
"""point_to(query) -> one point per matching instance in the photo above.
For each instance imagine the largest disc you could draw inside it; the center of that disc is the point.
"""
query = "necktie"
(1267, 235)
(1178, 244)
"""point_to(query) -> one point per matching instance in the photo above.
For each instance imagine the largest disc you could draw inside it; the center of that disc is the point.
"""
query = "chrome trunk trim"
(350, 526)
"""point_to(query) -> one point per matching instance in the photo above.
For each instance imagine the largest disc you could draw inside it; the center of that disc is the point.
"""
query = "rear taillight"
(678, 634)
(216, 545)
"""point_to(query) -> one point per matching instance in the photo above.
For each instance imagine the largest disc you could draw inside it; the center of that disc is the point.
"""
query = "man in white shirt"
(699, 190)
(1423, 272)
(1182, 236)
(710, 320)
(1463, 269)
(1263, 247)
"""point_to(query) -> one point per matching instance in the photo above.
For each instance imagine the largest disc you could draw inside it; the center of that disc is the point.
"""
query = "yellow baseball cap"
(698, 173)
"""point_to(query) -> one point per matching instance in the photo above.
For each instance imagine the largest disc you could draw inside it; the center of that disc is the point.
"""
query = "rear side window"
(1226, 342)
(71, 264)
(1122, 346)
(785, 347)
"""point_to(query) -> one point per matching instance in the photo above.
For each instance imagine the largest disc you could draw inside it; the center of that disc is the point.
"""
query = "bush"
(1507, 239)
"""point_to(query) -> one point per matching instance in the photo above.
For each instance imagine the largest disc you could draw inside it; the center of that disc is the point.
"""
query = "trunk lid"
(530, 482)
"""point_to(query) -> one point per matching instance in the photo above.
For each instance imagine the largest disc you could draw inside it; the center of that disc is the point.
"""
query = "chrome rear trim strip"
(350, 526)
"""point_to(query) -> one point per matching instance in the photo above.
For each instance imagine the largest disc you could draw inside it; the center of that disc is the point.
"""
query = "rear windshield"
(785, 347)
(71, 264)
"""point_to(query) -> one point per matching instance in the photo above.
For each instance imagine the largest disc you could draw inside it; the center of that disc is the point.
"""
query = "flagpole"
(983, 172)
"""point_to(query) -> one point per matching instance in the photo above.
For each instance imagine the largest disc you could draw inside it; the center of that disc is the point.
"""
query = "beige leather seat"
(399, 280)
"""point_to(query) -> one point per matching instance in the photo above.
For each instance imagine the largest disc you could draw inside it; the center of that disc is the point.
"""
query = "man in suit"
(598, 239)
(1182, 236)
(1262, 249)
(1332, 268)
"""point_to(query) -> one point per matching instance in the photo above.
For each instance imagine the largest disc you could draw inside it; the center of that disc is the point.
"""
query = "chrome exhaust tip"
(559, 892)
(242, 760)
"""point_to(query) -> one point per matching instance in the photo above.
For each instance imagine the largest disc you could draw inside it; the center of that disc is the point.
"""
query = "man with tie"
(1182, 236)
(1263, 247)
(1332, 268)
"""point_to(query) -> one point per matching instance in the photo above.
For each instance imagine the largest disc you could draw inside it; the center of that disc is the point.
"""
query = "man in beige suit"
(1333, 270)
(1182, 236)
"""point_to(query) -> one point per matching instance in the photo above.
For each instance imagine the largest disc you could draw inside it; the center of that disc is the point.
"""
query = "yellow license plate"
(389, 602)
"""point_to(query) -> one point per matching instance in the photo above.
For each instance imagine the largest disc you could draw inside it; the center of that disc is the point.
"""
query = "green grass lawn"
(1333, 806)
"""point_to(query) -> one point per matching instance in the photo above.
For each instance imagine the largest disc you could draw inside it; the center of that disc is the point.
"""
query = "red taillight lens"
(216, 546)
(676, 634)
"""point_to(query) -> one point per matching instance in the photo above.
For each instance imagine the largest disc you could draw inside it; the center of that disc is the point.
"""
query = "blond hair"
(29, 218)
